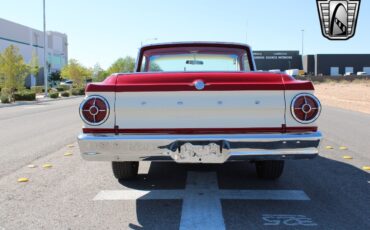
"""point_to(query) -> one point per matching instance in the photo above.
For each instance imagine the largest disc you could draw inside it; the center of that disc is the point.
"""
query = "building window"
(348, 70)
(367, 70)
(334, 71)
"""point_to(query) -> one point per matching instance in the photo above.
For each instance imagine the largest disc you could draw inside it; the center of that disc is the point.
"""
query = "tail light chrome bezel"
(96, 110)
(306, 108)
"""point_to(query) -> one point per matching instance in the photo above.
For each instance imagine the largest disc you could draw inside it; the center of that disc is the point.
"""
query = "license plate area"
(199, 152)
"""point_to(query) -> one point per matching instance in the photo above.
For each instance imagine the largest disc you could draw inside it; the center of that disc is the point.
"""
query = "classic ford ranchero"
(199, 102)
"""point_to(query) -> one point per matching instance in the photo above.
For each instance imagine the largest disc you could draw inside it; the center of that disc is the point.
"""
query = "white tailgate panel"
(200, 109)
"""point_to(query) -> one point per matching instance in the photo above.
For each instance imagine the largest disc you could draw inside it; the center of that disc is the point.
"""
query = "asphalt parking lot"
(329, 192)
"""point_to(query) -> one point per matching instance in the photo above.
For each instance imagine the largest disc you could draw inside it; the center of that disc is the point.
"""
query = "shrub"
(54, 94)
(24, 96)
(60, 89)
(65, 87)
(78, 91)
(6, 91)
(38, 89)
(65, 94)
(5, 99)
(5, 95)
(81, 91)
(74, 92)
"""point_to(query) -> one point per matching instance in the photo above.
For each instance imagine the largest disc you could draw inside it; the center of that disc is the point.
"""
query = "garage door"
(334, 71)
(348, 70)
(367, 70)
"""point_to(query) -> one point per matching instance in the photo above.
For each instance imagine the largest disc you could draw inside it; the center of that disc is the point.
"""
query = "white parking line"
(33, 106)
(201, 199)
(131, 194)
(201, 206)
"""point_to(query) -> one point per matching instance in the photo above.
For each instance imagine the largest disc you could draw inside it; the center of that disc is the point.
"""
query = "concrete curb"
(38, 101)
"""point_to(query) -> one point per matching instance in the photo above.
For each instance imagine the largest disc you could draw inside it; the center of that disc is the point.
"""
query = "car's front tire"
(270, 170)
(125, 170)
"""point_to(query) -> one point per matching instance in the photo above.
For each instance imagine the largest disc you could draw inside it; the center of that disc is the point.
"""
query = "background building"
(282, 60)
(29, 40)
(336, 64)
(319, 64)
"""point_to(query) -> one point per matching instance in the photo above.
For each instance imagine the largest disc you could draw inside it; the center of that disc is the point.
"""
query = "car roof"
(195, 43)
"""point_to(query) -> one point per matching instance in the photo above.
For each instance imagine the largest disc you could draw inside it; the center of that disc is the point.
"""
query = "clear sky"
(100, 31)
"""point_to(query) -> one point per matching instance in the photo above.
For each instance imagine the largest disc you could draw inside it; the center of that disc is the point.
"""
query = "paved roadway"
(328, 192)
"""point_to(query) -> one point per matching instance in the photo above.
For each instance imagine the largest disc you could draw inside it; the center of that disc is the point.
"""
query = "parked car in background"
(67, 82)
(295, 72)
(199, 102)
(362, 74)
(292, 72)
(275, 71)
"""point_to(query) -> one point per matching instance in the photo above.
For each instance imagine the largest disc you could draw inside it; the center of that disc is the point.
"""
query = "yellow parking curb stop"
(343, 148)
(67, 154)
(347, 157)
(23, 179)
(70, 146)
(47, 166)
(366, 168)
(329, 147)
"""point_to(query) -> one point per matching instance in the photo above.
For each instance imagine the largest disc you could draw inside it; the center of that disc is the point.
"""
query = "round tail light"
(94, 110)
(305, 108)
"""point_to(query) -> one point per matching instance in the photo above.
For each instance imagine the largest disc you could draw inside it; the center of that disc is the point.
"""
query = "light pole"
(246, 32)
(302, 49)
(148, 39)
(302, 41)
(45, 62)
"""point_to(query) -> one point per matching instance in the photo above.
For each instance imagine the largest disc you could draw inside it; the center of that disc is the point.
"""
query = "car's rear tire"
(270, 170)
(125, 170)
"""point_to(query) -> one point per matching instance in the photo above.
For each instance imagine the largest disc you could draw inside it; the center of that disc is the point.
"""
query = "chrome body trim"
(253, 60)
(199, 84)
(124, 147)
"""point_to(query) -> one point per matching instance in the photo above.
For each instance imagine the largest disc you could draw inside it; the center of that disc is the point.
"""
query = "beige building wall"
(29, 40)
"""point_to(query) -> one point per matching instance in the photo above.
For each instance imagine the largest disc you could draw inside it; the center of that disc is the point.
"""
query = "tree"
(2, 78)
(99, 74)
(55, 77)
(76, 72)
(34, 64)
(13, 69)
(154, 67)
(122, 65)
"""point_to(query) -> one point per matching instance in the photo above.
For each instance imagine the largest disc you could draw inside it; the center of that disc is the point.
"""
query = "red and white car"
(199, 102)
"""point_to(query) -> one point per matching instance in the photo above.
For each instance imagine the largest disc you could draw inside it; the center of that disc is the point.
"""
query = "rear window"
(194, 59)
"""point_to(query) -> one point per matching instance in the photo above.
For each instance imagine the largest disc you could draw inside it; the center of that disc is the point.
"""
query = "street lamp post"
(302, 49)
(45, 62)
(302, 41)
(246, 32)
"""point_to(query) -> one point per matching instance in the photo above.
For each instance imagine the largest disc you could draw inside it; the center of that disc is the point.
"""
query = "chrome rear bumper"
(198, 148)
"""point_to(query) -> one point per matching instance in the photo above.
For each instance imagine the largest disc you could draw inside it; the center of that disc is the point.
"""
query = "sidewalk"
(39, 99)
